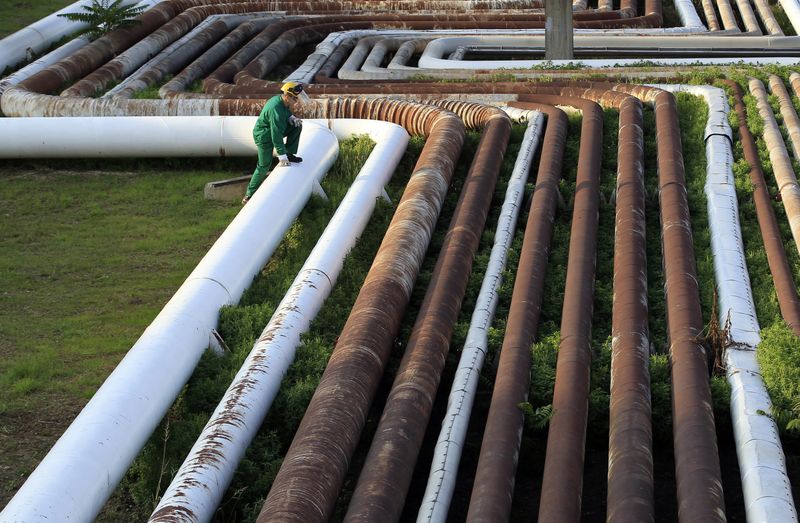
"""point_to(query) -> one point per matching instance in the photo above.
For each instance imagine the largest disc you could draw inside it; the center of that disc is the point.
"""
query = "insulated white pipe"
(692, 25)
(127, 137)
(782, 169)
(199, 485)
(434, 55)
(43, 62)
(447, 454)
(22, 45)
(688, 14)
(81, 471)
(765, 483)
(792, 10)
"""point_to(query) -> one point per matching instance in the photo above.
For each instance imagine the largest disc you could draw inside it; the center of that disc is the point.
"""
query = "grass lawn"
(88, 259)
(16, 14)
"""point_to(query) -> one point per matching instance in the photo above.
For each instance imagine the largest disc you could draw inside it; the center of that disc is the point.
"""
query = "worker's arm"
(277, 124)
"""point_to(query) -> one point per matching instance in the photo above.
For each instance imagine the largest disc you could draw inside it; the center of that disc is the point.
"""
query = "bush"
(104, 16)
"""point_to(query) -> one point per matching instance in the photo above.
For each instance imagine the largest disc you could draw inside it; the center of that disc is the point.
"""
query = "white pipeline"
(22, 45)
(792, 10)
(765, 483)
(305, 73)
(762, 47)
(447, 454)
(83, 468)
(199, 485)
(127, 137)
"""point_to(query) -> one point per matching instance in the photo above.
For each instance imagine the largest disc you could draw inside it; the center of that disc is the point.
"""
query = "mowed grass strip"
(88, 261)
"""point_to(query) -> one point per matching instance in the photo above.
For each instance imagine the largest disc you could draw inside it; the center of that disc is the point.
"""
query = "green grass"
(89, 259)
(16, 14)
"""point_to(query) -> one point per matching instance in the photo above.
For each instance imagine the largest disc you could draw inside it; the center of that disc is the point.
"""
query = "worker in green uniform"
(276, 123)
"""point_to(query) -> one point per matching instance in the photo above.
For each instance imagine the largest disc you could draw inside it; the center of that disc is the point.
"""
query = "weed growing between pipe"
(779, 357)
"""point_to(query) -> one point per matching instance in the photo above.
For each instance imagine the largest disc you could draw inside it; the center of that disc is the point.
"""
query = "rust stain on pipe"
(386, 475)
(630, 474)
(779, 267)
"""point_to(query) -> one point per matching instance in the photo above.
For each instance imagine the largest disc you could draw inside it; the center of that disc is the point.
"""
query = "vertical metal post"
(558, 30)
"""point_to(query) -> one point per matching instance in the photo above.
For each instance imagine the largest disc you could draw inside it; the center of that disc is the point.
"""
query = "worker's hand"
(284, 161)
(295, 121)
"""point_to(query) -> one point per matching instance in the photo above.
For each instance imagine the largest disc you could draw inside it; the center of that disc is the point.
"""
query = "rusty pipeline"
(630, 445)
(313, 470)
(630, 473)
(779, 267)
(94, 55)
(494, 480)
(119, 67)
(563, 469)
(386, 475)
(699, 484)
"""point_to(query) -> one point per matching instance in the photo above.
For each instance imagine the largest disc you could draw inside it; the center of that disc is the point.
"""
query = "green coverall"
(271, 128)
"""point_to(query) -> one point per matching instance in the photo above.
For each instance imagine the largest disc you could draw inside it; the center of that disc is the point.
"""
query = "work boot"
(294, 159)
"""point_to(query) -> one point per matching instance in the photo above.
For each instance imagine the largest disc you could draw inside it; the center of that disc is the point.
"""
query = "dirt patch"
(27, 435)
(44, 172)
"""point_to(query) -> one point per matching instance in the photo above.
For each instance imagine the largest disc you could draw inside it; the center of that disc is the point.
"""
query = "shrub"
(104, 16)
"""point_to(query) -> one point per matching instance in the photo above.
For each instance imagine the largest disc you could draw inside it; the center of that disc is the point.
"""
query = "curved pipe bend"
(386, 474)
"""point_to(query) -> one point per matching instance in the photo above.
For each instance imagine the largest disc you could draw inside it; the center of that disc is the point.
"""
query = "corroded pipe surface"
(790, 120)
(123, 65)
(630, 490)
(700, 496)
(311, 476)
(711, 15)
(630, 445)
(788, 300)
(494, 479)
(386, 475)
(563, 469)
(782, 168)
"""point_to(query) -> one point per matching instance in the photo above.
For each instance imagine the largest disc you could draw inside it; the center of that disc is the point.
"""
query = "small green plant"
(779, 358)
(104, 16)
